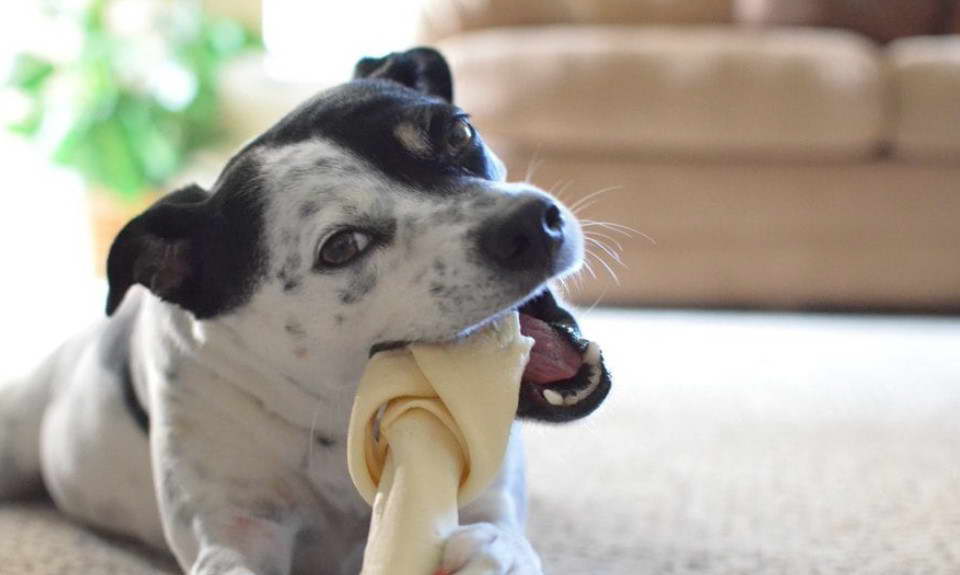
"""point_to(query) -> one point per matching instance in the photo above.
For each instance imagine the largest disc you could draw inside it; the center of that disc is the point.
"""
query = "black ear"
(423, 69)
(158, 249)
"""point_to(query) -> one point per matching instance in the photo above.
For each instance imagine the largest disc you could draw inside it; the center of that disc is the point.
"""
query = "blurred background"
(771, 189)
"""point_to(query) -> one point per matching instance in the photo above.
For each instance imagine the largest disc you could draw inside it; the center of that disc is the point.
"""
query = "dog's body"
(208, 413)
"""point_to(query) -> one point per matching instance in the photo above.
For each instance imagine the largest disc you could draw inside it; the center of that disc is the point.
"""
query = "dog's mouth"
(565, 378)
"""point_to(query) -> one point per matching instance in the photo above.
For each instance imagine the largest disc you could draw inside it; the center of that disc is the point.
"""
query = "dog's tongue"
(552, 358)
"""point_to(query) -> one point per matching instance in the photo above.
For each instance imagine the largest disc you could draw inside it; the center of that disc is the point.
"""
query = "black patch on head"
(362, 115)
(199, 251)
(422, 69)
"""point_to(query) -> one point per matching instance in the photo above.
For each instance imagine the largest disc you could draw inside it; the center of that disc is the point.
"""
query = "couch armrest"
(926, 81)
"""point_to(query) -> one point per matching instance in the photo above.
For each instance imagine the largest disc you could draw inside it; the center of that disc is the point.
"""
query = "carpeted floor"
(733, 444)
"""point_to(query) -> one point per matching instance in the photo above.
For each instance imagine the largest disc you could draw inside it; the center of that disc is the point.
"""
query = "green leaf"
(226, 38)
(119, 135)
(30, 72)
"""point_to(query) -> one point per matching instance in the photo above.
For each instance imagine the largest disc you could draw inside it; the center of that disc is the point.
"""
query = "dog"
(207, 414)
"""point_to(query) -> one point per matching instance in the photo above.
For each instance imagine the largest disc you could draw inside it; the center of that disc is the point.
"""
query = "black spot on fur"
(360, 285)
(339, 319)
(308, 208)
(289, 274)
(268, 510)
(201, 470)
(323, 440)
(450, 215)
(484, 201)
(361, 116)
(291, 284)
(289, 238)
(295, 329)
(439, 267)
(170, 487)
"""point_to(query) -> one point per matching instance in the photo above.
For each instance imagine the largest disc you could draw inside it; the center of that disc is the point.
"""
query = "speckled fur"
(244, 467)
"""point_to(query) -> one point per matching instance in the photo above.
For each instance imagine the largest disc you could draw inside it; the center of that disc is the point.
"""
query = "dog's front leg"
(491, 540)
(226, 507)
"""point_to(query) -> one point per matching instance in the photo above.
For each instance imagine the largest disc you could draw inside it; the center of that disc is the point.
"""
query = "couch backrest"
(881, 20)
(443, 18)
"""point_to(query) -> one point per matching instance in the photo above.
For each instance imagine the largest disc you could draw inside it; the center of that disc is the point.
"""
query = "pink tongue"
(552, 357)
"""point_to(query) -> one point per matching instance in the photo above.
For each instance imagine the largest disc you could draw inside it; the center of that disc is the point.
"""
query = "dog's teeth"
(553, 397)
(592, 354)
(594, 377)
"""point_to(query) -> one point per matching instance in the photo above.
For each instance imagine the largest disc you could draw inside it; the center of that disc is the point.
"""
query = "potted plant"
(129, 102)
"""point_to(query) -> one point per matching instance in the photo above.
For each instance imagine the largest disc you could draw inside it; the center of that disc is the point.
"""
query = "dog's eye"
(460, 136)
(342, 247)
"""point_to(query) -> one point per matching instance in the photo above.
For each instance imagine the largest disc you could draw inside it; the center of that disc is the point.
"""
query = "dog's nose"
(528, 237)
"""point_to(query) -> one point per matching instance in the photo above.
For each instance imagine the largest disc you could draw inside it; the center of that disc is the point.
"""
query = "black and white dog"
(207, 414)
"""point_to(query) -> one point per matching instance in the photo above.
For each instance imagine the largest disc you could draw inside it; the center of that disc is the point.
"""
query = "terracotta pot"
(108, 214)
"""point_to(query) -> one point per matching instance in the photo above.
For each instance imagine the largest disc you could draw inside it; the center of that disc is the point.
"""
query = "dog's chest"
(325, 467)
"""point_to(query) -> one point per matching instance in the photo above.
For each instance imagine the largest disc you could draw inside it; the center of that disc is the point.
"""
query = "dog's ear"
(158, 249)
(423, 69)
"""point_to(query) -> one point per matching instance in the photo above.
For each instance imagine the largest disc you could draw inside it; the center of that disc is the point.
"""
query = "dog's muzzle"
(529, 239)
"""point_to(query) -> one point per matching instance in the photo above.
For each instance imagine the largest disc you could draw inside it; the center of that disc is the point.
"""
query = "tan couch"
(786, 167)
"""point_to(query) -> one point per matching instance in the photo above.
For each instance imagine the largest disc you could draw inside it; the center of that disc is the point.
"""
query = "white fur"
(244, 470)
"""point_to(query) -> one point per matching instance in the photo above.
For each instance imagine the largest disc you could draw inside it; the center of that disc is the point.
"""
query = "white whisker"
(597, 301)
(533, 166)
(613, 274)
(617, 228)
(589, 268)
(558, 190)
(606, 249)
(604, 236)
(577, 205)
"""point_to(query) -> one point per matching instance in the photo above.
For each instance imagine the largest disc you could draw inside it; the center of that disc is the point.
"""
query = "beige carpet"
(733, 444)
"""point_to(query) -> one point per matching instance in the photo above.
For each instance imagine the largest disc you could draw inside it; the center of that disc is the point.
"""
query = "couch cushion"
(926, 83)
(688, 90)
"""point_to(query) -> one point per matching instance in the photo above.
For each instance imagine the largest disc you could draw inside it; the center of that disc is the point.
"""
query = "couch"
(771, 160)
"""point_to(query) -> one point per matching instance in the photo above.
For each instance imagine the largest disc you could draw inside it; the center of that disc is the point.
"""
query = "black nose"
(527, 237)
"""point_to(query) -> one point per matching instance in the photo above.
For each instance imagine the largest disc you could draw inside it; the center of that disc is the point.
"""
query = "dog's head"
(371, 216)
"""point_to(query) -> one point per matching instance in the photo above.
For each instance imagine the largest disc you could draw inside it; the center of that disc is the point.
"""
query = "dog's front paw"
(485, 549)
